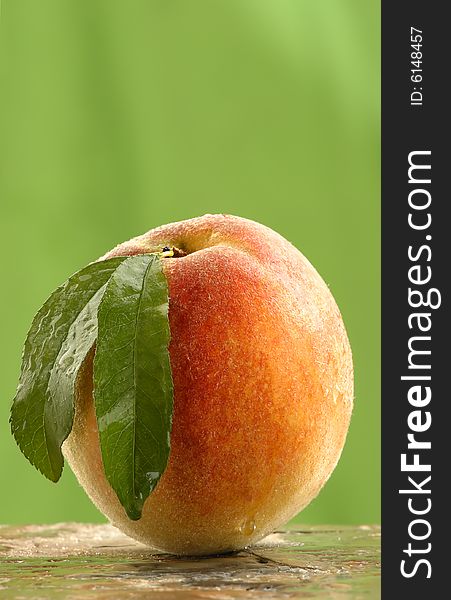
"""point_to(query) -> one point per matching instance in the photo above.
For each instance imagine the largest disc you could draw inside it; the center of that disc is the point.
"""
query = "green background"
(116, 117)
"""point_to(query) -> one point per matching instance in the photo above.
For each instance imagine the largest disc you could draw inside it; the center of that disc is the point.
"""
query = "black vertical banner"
(415, 305)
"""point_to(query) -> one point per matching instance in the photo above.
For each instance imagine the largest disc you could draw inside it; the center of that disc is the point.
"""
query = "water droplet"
(152, 476)
(248, 527)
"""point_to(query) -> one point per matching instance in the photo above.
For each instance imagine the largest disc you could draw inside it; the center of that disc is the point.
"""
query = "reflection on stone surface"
(78, 561)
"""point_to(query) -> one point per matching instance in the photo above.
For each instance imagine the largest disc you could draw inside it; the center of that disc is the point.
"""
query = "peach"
(263, 390)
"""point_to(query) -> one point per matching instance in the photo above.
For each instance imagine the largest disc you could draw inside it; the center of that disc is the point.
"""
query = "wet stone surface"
(77, 561)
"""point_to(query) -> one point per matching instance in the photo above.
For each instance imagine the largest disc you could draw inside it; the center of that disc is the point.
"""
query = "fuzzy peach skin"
(263, 390)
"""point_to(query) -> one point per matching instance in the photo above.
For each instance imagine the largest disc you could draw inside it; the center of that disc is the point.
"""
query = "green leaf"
(132, 380)
(61, 334)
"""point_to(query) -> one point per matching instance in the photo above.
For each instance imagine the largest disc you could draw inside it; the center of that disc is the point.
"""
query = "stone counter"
(78, 561)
